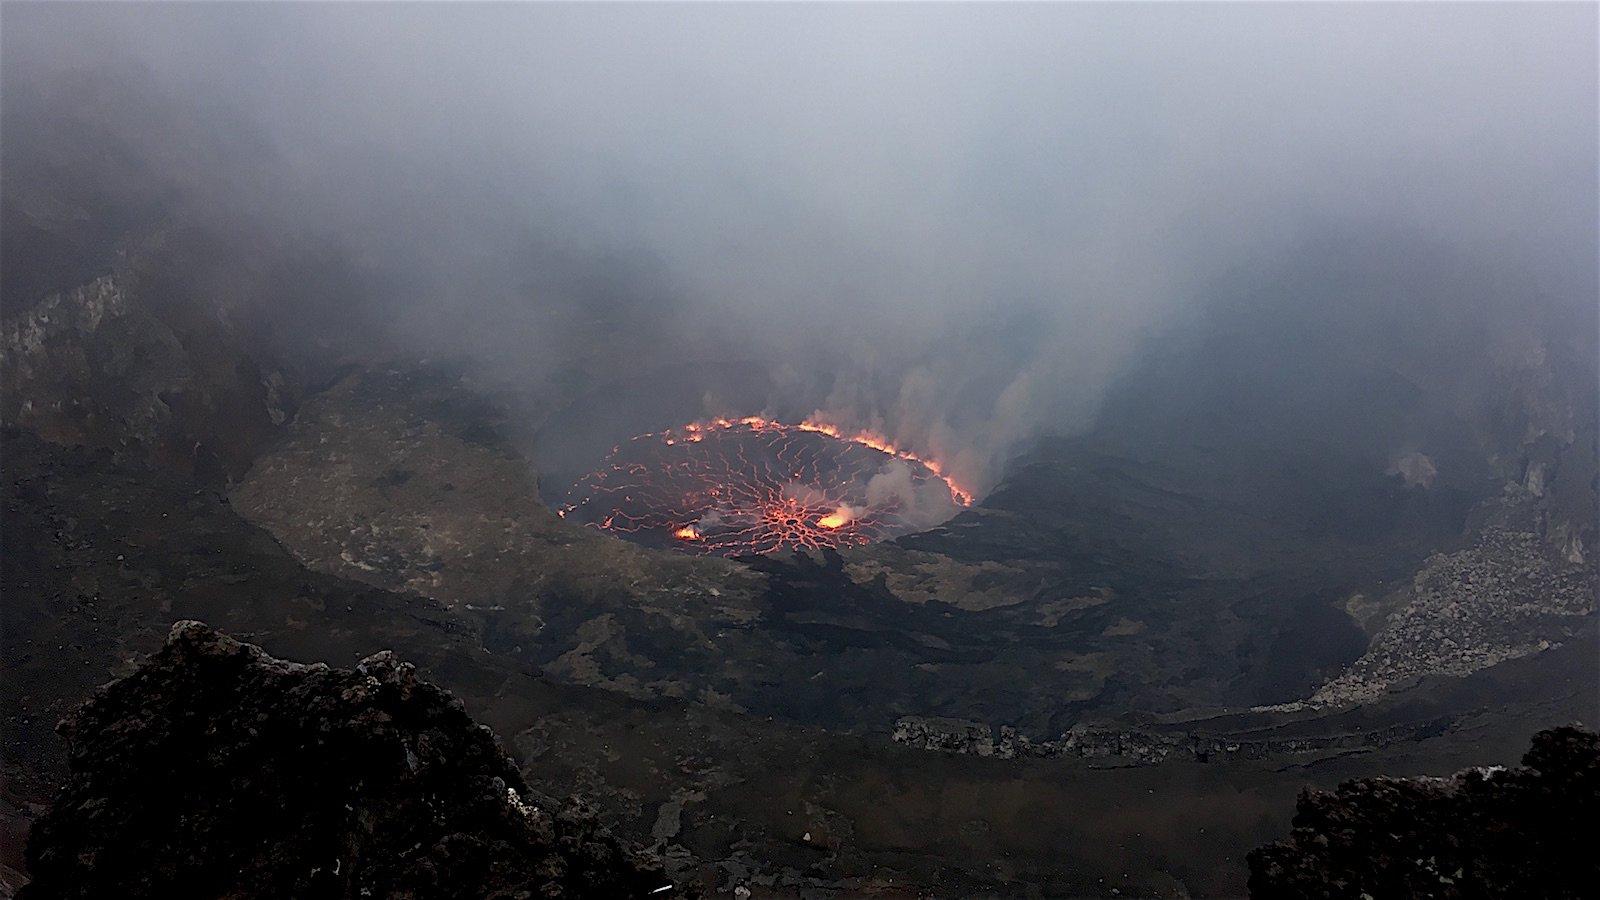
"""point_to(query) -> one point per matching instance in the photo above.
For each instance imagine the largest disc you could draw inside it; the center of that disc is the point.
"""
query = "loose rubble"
(1500, 599)
(1137, 747)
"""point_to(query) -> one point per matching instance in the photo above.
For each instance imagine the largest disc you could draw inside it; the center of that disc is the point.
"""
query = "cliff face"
(217, 770)
(104, 365)
(1484, 833)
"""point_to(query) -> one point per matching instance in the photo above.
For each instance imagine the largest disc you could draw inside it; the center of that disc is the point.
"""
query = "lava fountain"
(736, 487)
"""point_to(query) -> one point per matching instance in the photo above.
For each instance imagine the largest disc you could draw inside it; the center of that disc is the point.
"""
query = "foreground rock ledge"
(217, 770)
(1515, 833)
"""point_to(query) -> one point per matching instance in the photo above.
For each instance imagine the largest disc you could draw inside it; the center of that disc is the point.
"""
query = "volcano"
(751, 486)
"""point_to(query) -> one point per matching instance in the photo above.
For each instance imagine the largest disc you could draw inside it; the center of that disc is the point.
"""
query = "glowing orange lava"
(836, 519)
(731, 487)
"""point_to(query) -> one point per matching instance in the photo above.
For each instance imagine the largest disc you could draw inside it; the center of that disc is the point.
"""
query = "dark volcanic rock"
(1483, 833)
(217, 770)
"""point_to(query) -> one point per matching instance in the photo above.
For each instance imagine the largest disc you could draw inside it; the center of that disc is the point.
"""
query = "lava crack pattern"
(735, 487)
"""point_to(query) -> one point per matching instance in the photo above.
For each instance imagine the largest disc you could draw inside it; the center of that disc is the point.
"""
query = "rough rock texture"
(1484, 833)
(118, 363)
(217, 770)
(1505, 597)
(1540, 414)
(950, 736)
(1131, 746)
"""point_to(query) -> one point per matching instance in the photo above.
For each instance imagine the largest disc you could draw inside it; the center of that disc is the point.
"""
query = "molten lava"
(836, 519)
(731, 487)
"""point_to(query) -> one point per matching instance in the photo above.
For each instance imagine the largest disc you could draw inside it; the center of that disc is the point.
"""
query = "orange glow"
(883, 445)
(696, 431)
(837, 519)
(752, 485)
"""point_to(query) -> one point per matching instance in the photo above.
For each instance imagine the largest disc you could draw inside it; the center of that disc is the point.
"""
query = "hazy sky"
(954, 220)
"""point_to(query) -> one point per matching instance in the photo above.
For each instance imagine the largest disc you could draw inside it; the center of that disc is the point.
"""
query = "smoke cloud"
(920, 505)
(951, 224)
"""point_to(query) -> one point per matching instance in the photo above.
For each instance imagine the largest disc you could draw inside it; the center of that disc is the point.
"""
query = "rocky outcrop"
(1129, 746)
(1483, 833)
(217, 770)
(1505, 597)
(952, 736)
(1539, 419)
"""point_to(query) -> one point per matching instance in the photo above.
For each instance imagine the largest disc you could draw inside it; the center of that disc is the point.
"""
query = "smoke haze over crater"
(956, 224)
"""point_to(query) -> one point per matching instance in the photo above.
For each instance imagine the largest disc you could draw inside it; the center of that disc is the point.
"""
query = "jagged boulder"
(217, 770)
(1514, 833)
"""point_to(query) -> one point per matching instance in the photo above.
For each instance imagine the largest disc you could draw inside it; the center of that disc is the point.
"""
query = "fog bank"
(953, 224)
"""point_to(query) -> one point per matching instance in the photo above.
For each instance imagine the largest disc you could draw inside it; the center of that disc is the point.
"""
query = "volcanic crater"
(753, 485)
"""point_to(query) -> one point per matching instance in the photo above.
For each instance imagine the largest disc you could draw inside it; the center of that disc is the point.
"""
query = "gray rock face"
(217, 770)
(106, 365)
(1503, 598)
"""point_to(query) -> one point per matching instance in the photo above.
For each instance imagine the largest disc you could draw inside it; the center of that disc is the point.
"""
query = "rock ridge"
(215, 769)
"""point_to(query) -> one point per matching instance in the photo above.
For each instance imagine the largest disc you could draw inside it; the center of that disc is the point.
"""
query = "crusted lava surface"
(754, 486)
